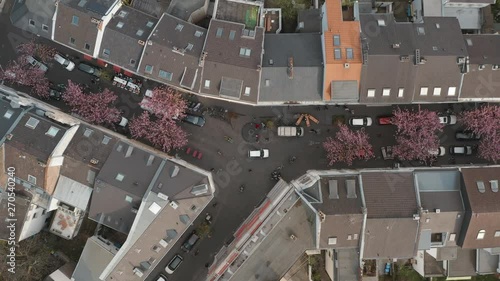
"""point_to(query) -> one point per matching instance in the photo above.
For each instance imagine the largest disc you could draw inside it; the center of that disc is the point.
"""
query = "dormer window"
(32, 123)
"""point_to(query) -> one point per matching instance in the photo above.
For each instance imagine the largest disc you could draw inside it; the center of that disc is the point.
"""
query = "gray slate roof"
(464, 265)
(439, 41)
(13, 114)
(306, 84)
(483, 48)
(93, 261)
(390, 238)
(389, 194)
(311, 18)
(126, 43)
(137, 177)
(41, 11)
(175, 47)
(224, 59)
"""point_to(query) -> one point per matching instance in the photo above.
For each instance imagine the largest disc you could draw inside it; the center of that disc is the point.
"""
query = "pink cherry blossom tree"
(347, 146)
(163, 133)
(485, 122)
(96, 108)
(416, 133)
(44, 52)
(21, 72)
(166, 103)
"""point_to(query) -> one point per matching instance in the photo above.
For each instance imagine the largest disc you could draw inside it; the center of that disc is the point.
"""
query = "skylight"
(139, 32)
(120, 177)
(32, 123)
(122, 14)
(150, 24)
(198, 33)
(87, 132)
(52, 132)
(480, 186)
(494, 185)
(8, 114)
(381, 22)
(179, 27)
(120, 24)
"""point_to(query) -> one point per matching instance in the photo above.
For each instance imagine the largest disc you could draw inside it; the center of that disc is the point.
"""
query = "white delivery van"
(290, 131)
(259, 153)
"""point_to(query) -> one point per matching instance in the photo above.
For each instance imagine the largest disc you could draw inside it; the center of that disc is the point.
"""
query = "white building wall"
(418, 265)
(34, 221)
(329, 263)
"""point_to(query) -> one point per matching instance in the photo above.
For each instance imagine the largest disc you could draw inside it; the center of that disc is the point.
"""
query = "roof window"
(179, 27)
(8, 114)
(480, 186)
(105, 140)
(220, 30)
(122, 14)
(150, 24)
(32, 123)
(494, 185)
(87, 132)
(198, 33)
(120, 24)
(420, 30)
(52, 132)
(120, 177)
(139, 32)
(381, 22)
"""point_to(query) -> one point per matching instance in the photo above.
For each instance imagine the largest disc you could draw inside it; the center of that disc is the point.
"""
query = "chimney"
(129, 151)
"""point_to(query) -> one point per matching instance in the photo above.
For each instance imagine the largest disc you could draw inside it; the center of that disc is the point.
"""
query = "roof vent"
(162, 196)
(141, 42)
(174, 205)
(9, 136)
(438, 211)
(137, 271)
(417, 56)
(322, 216)
(481, 67)
(416, 217)
(94, 161)
(346, 65)
(271, 61)
(150, 42)
(494, 185)
(396, 45)
(460, 60)
(404, 58)
(480, 186)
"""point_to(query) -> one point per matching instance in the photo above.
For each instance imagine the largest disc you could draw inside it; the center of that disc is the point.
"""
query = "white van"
(259, 153)
(290, 131)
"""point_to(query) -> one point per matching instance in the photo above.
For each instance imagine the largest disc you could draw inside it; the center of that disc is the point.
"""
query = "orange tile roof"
(349, 32)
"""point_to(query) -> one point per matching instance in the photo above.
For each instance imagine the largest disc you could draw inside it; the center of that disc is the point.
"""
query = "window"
(35, 215)
(119, 177)
(452, 237)
(132, 62)
(52, 132)
(371, 93)
(481, 234)
(198, 33)
(179, 27)
(451, 91)
(31, 22)
(139, 32)
(337, 53)
(106, 52)
(497, 233)
(87, 46)
(267, 82)
(87, 132)
(349, 237)
(72, 41)
(120, 24)
(32, 122)
(189, 46)
(75, 20)
(32, 179)
(45, 27)
(105, 140)
(437, 91)
(336, 40)
(165, 75)
(8, 114)
(128, 198)
(207, 84)
(349, 53)
(332, 240)
(244, 52)
(423, 91)
(401, 92)
(421, 30)
(150, 24)
(148, 69)
(122, 14)
(386, 92)
(381, 22)
(247, 91)
(232, 33)
(219, 32)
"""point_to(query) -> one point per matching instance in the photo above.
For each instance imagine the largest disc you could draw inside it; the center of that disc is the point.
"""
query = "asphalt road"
(233, 168)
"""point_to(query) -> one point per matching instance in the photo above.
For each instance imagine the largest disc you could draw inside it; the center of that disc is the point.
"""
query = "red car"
(385, 120)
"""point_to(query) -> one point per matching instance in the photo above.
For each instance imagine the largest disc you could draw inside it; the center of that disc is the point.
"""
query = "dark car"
(190, 242)
(173, 264)
(466, 135)
(195, 120)
(461, 150)
(89, 69)
(55, 94)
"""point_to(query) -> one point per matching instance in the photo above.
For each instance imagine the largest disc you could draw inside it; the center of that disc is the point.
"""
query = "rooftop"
(293, 67)
(389, 194)
(464, 265)
(245, 13)
(483, 49)
(36, 135)
(309, 21)
(96, 254)
(390, 238)
(66, 221)
(440, 190)
(481, 185)
(72, 193)
(92, 7)
(10, 117)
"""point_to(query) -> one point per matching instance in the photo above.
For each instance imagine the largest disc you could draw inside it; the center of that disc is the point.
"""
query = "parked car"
(290, 131)
(466, 135)
(385, 120)
(161, 277)
(461, 150)
(448, 119)
(89, 69)
(190, 242)
(31, 60)
(195, 120)
(259, 153)
(69, 65)
(55, 94)
(173, 264)
(440, 151)
(360, 121)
